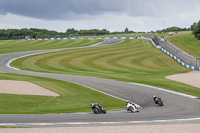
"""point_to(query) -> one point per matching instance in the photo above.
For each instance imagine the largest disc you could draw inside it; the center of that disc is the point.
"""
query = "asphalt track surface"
(175, 106)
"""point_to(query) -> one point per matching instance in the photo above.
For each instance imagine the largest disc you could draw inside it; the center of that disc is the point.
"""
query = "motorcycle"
(133, 107)
(97, 108)
(158, 101)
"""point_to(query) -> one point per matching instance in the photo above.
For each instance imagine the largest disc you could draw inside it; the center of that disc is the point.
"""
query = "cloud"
(79, 9)
(58, 9)
(114, 15)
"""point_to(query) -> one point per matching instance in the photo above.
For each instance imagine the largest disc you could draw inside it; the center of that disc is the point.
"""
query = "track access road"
(176, 106)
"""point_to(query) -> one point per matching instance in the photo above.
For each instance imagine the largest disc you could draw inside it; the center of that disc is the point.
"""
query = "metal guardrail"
(171, 48)
(83, 38)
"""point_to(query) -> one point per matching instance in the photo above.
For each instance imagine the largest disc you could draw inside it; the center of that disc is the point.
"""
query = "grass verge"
(187, 42)
(11, 127)
(162, 34)
(11, 46)
(73, 98)
(131, 61)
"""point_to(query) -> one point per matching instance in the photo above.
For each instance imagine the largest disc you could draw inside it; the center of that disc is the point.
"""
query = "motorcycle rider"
(156, 99)
(127, 102)
(135, 109)
(99, 106)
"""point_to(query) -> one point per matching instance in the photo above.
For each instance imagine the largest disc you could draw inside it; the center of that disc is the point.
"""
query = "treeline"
(96, 32)
(173, 29)
(196, 29)
(21, 33)
(6, 34)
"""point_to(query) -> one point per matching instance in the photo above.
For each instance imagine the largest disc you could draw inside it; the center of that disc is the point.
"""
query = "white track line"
(89, 123)
(100, 91)
(161, 89)
(96, 123)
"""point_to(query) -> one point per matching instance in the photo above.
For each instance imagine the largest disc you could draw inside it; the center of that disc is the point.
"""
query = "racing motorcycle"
(97, 108)
(157, 100)
(133, 107)
(160, 103)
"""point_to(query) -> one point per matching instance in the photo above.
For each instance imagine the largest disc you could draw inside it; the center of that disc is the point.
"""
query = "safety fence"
(83, 38)
(178, 54)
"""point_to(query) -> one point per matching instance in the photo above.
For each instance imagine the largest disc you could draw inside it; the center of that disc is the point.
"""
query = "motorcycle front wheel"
(161, 103)
(95, 110)
(131, 109)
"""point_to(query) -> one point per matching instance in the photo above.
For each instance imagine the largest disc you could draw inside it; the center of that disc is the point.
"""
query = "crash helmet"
(154, 95)
(91, 104)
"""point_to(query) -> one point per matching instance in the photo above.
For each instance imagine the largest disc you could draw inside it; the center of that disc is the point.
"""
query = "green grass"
(73, 98)
(187, 42)
(163, 34)
(131, 61)
(11, 46)
(11, 127)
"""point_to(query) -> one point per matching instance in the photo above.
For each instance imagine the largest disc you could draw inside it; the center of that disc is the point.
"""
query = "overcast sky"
(114, 15)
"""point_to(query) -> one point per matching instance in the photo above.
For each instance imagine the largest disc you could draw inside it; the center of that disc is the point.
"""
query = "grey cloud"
(57, 9)
(77, 9)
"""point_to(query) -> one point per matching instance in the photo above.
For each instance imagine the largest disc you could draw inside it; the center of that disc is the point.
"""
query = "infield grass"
(73, 98)
(162, 34)
(11, 46)
(11, 127)
(131, 61)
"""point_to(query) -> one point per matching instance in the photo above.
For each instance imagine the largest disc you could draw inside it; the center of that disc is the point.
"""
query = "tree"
(126, 30)
(192, 26)
(71, 31)
(196, 30)
(173, 29)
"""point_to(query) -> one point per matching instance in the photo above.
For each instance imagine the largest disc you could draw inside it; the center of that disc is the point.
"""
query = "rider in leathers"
(133, 105)
(156, 99)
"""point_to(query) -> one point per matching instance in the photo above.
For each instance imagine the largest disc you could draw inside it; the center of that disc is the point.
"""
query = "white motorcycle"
(133, 107)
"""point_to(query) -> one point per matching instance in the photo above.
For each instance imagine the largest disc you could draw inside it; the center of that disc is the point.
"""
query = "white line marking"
(173, 92)
(99, 91)
(96, 123)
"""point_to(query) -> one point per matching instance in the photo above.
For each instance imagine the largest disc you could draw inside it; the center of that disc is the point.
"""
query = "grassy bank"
(11, 46)
(11, 127)
(187, 42)
(131, 61)
(73, 98)
(162, 34)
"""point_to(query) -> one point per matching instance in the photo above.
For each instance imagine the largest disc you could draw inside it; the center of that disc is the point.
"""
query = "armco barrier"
(83, 38)
(173, 54)
(153, 43)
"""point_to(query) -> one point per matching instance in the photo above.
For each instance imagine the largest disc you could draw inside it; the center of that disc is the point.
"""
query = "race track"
(176, 106)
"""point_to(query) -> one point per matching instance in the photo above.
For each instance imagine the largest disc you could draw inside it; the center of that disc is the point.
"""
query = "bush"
(198, 36)
(196, 30)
